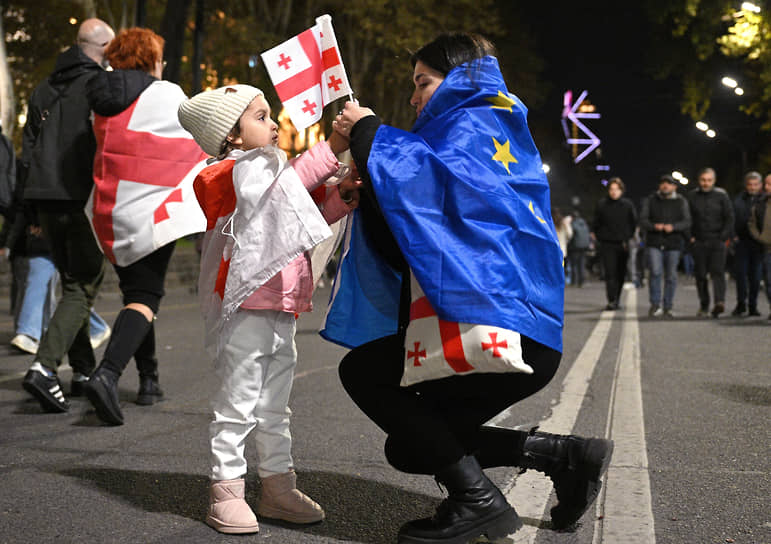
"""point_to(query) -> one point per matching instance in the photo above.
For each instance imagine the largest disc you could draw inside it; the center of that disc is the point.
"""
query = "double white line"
(623, 509)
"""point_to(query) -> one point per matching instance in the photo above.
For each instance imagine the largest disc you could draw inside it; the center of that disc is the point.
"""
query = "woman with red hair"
(141, 203)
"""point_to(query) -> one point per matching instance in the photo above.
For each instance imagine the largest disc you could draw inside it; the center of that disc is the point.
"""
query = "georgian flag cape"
(144, 168)
(466, 199)
(259, 217)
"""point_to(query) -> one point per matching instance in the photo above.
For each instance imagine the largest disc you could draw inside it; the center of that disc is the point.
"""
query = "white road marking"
(529, 492)
(625, 512)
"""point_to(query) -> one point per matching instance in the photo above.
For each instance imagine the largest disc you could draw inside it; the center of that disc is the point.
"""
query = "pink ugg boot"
(282, 500)
(228, 511)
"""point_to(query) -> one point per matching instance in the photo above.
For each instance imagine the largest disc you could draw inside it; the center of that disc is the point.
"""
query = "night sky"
(602, 47)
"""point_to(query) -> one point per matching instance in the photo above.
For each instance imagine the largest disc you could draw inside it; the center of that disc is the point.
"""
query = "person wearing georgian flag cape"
(462, 294)
(141, 203)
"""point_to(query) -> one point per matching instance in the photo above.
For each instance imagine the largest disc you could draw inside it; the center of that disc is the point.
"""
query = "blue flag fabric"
(466, 198)
(364, 304)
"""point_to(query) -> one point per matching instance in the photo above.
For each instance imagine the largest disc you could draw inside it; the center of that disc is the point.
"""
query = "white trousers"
(256, 369)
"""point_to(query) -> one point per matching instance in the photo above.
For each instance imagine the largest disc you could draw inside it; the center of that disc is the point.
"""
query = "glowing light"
(677, 175)
(22, 119)
(602, 167)
(711, 133)
(683, 181)
(749, 6)
(702, 126)
(739, 91)
(574, 112)
(729, 82)
(73, 21)
(546, 168)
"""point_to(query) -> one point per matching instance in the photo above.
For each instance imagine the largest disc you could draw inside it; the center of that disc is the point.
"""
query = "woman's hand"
(349, 116)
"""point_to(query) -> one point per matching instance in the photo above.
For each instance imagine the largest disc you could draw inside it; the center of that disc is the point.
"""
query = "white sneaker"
(25, 343)
(99, 339)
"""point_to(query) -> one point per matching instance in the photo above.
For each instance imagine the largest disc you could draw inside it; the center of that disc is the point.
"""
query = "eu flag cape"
(466, 198)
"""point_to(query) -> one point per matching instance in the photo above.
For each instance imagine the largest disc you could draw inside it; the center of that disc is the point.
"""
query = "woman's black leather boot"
(575, 466)
(474, 507)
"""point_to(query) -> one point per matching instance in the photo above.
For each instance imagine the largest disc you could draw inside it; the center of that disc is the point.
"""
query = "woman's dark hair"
(448, 51)
(616, 181)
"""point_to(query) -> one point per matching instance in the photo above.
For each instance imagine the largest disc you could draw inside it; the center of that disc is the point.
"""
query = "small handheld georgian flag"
(307, 72)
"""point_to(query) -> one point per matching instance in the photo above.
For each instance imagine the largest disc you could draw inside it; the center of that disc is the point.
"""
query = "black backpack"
(7, 174)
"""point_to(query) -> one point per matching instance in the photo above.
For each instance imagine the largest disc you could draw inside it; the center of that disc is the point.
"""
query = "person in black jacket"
(614, 224)
(713, 222)
(748, 252)
(58, 154)
(664, 220)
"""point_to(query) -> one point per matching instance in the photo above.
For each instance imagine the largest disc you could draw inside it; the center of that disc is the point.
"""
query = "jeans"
(749, 264)
(767, 272)
(39, 299)
(709, 257)
(577, 259)
(80, 263)
(663, 262)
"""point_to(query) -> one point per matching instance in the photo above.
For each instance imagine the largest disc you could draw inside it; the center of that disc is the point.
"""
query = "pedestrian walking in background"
(760, 229)
(250, 301)
(748, 252)
(58, 155)
(135, 227)
(503, 285)
(579, 244)
(664, 219)
(712, 226)
(614, 222)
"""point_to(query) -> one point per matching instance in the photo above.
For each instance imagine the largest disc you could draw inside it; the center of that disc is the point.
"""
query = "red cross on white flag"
(435, 348)
(307, 72)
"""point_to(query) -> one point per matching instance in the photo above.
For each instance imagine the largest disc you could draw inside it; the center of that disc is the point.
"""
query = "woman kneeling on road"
(458, 210)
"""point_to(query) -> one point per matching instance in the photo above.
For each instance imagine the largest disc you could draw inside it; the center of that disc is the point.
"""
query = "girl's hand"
(349, 117)
(337, 142)
(349, 188)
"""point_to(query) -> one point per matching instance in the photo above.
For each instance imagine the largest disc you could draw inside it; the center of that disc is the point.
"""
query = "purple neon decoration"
(570, 112)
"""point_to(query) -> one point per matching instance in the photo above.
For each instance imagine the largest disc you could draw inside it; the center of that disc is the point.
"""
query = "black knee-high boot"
(150, 391)
(474, 507)
(575, 466)
(128, 333)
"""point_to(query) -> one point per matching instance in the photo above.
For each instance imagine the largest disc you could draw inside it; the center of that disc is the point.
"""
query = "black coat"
(712, 214)
(62, 172)
(614, 220)
(669, 211)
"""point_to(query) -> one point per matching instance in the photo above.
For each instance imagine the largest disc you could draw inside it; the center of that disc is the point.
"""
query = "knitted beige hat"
(211, 115)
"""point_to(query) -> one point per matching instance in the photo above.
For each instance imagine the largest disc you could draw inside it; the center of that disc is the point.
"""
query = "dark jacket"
(110, 93)
(61, 172)
(759, 224)
(742, 210)
(670, 211)
(614, 220)
(712, 214)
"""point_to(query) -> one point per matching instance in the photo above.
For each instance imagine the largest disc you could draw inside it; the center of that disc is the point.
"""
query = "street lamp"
(677, 175)
(749, 6)
(710, 133)
(683, 180)
(739, 91)
(729, 82)
(702, 126)
(546, 168)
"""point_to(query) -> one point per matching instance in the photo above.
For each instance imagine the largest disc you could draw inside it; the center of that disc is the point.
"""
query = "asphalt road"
(692, 461)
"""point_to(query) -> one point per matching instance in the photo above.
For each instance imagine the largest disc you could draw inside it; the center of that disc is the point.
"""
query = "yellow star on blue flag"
(502, 102)
(530, 207)
(503, 154)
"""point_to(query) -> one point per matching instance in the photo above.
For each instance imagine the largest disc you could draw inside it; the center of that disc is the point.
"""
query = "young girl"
(255, 277)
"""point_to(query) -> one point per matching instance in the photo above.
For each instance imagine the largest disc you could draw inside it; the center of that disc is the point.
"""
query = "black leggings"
(433, 424)
(142, 281)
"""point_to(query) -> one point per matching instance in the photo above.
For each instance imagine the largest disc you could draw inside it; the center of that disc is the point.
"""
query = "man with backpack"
(58, 150)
